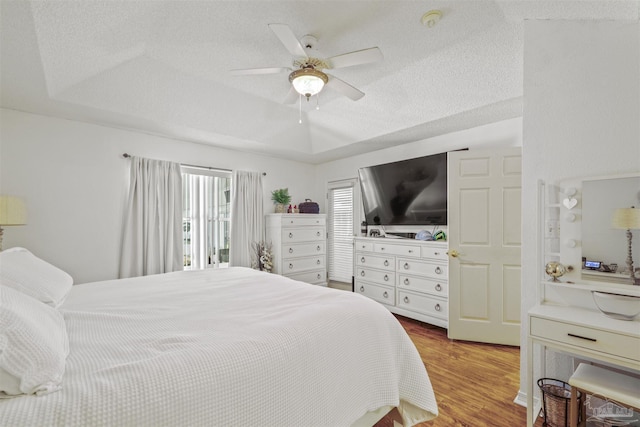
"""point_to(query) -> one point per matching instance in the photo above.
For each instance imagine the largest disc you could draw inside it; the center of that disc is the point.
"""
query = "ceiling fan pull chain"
(300, 109)
(318, 101)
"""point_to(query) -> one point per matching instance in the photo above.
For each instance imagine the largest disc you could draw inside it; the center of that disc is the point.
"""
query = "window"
(206, 208)
(341, 230)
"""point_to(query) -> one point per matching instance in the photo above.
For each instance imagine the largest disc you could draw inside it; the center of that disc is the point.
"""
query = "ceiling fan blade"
(250, 71)
(364, 56)
(288, 39)
(344, 88)
(291, 97)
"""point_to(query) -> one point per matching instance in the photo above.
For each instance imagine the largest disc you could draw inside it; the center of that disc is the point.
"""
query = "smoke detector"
(431, 18)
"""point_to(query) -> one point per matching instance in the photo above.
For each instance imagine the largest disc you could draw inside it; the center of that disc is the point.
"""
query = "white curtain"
(247, 217)
(152, 232)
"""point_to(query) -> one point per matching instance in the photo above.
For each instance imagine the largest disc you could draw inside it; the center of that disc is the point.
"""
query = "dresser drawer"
(293, 235)
(428, 269)
(379, 293)
(394, 249)
(295, 250)
(364, 246)
(295, 265)
(585, 337)
(419, 284)
(376, 261)
(314, 277)
(376, 276)
(302, 219)
(431, 306)
(434, 252)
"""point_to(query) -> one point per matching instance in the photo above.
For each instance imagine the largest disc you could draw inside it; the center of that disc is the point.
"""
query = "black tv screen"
(408, 192)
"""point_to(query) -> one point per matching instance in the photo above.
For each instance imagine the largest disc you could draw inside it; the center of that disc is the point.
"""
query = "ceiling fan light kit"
(308, 81)
(309, 78)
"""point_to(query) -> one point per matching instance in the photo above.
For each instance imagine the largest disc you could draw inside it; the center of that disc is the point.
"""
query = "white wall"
(75, 182)
(581, 118)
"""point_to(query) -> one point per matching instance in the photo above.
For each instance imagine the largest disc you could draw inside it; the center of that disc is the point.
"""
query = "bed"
(221, 347)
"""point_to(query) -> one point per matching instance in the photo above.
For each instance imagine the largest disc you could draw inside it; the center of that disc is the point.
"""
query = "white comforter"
(230, 347)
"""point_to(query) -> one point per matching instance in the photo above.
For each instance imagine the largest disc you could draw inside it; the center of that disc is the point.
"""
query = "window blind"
(340, 229)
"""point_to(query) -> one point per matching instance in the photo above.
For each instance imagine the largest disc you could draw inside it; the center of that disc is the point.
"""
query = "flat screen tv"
(408, 192)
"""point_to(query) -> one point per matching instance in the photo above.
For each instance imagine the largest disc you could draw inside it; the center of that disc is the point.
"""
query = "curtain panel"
(152, 231)
(247, 217)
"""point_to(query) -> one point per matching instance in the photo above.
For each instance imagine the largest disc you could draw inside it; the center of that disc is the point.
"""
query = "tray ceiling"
(162, 67)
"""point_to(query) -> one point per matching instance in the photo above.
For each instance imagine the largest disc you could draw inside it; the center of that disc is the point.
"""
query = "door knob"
(453, 253)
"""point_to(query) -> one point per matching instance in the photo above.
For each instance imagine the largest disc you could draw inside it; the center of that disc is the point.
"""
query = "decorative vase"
(280, 208)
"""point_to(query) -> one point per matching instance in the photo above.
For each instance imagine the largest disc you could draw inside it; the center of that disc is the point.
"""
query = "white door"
(484, 206)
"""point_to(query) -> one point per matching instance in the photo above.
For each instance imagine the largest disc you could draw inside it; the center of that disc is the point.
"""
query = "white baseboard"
(521, 399)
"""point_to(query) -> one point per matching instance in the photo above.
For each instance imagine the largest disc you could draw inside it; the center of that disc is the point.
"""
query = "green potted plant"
(281, 199)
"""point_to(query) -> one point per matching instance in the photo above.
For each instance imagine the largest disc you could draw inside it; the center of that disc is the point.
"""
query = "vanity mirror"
(605, 248)
(593, 240)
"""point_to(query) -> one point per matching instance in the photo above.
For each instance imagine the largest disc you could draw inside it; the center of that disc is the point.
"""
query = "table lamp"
(12, 212)
(628, 219)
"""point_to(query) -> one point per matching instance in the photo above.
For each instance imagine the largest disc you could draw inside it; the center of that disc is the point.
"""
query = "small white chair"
(621, 389)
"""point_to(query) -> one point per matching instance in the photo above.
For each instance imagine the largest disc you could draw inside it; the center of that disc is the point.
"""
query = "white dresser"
(410, 277)
(299, 246)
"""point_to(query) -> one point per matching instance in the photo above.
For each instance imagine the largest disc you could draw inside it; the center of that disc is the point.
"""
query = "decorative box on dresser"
(299, 243)
(409, 277)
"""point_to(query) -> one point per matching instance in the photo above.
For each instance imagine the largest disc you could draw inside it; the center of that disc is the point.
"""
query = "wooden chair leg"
(573, 408)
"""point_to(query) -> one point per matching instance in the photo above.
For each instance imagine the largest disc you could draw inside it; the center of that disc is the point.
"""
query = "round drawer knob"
(438, 270)
(318, 262)
(386, 278)
(438, 287)
(386, 263)
(385, 294)
(318, 248)
(410, 251)
(406, 265)
(319, 275)
(361, 288)
(290, 266)
(318, 234)
(406, 300)
(362, 273)
(406, 281)
(362, 260)
(437, 307)
(291, 235)
(290, 250)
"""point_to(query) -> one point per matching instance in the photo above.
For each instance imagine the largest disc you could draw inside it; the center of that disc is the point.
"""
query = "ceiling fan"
(306, 76)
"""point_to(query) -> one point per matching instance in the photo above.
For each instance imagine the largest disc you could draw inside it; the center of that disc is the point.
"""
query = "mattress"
(227, 347)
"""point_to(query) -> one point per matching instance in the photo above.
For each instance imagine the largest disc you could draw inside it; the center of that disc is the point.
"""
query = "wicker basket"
(556, 400)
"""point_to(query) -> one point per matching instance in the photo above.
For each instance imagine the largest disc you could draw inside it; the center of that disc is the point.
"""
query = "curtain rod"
(127, 155)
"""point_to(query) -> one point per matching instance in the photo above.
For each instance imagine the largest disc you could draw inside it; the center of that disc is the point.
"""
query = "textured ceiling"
(162, 67)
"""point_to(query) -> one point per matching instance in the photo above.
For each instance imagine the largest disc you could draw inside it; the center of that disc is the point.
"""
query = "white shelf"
(613, 288)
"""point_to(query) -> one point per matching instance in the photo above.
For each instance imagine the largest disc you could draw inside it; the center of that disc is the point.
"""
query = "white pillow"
(23, 271)
(33, 345)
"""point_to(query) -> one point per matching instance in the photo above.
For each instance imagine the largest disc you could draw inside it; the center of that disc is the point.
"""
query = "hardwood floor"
(475, 384)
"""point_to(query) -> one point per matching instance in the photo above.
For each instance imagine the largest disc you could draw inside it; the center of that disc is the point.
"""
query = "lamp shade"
(626, 218)
(12, 211)
(308, 81)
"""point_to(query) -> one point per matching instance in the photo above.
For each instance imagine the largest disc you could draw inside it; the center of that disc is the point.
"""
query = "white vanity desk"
(582, 332)
(566, 318)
